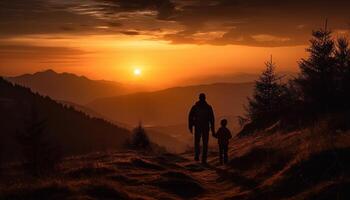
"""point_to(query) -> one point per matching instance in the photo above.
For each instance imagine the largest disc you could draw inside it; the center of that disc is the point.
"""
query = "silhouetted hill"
(171, 106)
(70, 87)
(223, 78)
(173, 143)
(93, 113)
(240, 77)
(74, 131)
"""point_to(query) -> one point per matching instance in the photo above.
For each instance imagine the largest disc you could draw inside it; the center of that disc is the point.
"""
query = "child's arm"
(216, 135)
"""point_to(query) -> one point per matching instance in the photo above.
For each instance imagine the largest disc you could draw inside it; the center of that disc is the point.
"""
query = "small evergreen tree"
(140, 139)
(266, 103)
(316, 79)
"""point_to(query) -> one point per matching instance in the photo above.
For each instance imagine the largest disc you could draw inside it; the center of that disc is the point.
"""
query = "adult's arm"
(191, 119)
(212, 120)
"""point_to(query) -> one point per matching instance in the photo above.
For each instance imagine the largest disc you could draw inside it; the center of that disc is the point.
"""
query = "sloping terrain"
(72, 130)
(162, 137)
(307, 164)
(175, 138)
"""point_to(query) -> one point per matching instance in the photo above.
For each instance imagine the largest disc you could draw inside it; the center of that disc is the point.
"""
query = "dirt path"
(209, 177)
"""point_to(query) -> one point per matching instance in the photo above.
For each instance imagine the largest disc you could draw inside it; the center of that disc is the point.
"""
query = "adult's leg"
(197, 145)
(205, 138)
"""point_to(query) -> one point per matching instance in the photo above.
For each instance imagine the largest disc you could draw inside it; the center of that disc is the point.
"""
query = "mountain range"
(171, 106)
(70, 87)
(162, 112)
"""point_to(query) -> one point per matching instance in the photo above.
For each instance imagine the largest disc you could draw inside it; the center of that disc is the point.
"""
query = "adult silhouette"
(201, 117)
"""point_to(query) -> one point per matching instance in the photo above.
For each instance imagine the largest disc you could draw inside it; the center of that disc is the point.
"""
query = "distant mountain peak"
(48, 71)
(70, 87)
(52, 73)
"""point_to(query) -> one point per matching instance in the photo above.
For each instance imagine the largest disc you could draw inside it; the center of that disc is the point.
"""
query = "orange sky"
(162, 64)
(168, 40)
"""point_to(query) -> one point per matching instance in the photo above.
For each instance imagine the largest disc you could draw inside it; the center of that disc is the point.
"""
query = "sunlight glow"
(137, 72)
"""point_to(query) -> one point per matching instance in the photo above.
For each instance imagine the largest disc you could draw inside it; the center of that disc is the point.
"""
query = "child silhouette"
(223, 135)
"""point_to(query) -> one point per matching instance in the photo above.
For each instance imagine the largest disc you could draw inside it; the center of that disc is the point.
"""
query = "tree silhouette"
(140, 139)
(316, 79)
(321, 90)
(266, 103)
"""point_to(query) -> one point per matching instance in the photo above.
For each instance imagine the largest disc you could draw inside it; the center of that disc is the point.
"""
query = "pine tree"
(140, 139)
(265, 105)
(316, 79)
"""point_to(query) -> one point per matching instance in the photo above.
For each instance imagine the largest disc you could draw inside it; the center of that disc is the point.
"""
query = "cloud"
(43, 17)
(268, 23)
(17, 51)
(243, 22)
(258, 23)
(164, 8)
(130, 32)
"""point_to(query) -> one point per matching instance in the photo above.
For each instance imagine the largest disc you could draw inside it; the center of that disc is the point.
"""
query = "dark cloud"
(219, 22)
(18, 17)
(258, 23)
(114, 24)
(130, 32)
(164, 8)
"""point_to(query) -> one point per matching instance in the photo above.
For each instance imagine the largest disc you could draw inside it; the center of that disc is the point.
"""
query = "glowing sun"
(137, 72)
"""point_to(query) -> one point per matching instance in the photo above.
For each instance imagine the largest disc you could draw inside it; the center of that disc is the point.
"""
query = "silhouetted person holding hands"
(223, 135)
(201, 117)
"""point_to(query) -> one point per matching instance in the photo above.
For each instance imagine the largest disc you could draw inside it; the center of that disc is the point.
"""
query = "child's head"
(223, 122)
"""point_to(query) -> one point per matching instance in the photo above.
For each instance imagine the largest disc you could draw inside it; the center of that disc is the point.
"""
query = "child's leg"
(221, 153)
(225, 152)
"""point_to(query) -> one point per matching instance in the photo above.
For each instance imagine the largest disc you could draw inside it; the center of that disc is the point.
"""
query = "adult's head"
(202, 97)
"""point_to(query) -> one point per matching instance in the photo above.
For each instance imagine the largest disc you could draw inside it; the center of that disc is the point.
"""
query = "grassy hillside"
(302, 165)
(74, 131)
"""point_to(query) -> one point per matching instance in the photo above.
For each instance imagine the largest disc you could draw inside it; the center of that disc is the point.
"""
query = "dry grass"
(308, 164)
(294, 163)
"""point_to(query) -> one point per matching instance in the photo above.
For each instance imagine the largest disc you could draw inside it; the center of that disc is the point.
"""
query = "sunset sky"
(166, 41)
